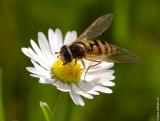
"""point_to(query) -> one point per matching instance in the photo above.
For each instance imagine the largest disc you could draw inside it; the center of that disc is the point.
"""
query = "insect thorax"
(77, 50)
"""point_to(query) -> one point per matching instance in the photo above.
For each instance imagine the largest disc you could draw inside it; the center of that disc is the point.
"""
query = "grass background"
(136, 26)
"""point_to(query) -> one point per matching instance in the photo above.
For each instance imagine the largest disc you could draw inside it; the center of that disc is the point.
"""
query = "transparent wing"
(97, 27)
(121, 56)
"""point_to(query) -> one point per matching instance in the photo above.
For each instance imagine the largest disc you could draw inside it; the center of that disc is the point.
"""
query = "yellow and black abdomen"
(99, 47)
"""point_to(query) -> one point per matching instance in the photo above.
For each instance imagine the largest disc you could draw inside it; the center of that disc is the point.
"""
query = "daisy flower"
(70, 77)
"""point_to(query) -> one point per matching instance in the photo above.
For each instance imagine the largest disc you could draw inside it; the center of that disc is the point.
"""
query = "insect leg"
(99, 62)
(92, 60)
(75, 62)
(83, 63)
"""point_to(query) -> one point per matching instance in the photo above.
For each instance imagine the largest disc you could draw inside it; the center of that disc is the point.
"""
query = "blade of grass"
(47, 112)
(1, 102)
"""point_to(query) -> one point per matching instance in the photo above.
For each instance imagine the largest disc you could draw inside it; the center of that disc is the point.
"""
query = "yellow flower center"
(69, 73)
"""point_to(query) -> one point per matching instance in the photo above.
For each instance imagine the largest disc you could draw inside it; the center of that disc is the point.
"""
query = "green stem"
(57, 102)
(49, 116)
(47, 112)
(1, 102)
(68, 106)
(69, 110)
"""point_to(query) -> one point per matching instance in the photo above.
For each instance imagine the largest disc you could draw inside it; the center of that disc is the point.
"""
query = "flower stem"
(47, 112)
(57, 102)
(68, 106)
(1, 102)
(69, 110)
(49, 116)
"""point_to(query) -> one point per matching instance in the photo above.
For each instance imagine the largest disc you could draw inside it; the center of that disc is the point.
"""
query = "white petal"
(55, 40)
(34, 56)
(46, 81)
(108, 75)
(39, 72)
(32, 70)
(100, 68)
(36, 49)
(70, 37)
(93, 92)
(104, 65)
(107, 78)
(45, 47)
(27, 53)
(76, 98)
(40, 67)
(24, 50)
(53, 43)
(86, 86)
(40, 54)
(38, 76)
(67, 38)
(108, 83)
(102, 74)
(61, 86)
(89, 78)
(65, 87)
(81, 92)
(88, 63)
(31, 54)
(42, 80)
(103, 89)
(58, 33)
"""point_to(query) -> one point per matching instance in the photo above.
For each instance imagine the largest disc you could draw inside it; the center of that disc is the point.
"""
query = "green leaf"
(46, 111)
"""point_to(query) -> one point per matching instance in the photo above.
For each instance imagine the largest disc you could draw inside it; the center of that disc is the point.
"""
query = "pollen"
(69, 73)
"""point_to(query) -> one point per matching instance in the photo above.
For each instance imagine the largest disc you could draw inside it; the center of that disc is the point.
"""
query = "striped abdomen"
(100, 47)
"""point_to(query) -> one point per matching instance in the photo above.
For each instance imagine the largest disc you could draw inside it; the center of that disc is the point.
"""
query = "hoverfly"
(86, 47)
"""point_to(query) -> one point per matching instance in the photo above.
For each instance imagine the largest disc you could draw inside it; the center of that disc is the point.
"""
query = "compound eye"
(65, 55)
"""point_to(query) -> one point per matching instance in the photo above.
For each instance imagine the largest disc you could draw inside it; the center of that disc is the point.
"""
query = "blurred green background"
(136, 27)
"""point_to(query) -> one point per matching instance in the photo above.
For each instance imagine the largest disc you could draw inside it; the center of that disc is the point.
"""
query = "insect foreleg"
(75, 62)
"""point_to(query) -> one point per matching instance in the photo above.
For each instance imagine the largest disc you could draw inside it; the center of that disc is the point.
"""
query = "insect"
(87, 47)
